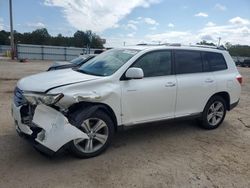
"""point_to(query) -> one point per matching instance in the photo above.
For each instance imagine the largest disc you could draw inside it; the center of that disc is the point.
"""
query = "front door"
(152, 97)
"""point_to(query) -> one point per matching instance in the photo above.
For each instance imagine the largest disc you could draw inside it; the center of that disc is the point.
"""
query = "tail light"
(240, 79)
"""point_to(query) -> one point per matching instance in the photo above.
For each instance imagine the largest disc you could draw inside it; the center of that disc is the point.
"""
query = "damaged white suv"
(82, 108)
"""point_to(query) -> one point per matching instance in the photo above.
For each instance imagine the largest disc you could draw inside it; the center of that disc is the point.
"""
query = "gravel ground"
(176, 154)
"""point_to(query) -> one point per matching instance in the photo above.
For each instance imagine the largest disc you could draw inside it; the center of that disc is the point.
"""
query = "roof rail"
(179, 44)
(207, 46)
(161, 44)
(147, 44)
(174, 44)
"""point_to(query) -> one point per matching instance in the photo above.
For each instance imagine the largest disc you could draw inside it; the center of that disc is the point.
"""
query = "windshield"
(108, 62)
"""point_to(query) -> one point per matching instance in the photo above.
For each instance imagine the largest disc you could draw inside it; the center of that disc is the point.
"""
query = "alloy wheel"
(97, 131)
(215, 113)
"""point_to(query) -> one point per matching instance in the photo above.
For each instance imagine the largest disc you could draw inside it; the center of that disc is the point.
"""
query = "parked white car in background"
(83, 108)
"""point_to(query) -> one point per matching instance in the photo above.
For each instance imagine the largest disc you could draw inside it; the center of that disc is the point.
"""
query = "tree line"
(89, 39)
(42, 37)
(234, 50)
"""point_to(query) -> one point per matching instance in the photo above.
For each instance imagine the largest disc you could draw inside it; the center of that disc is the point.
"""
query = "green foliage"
(42, 37)
(4, 38)
(239, 50)
(234, 50)
(206, 43)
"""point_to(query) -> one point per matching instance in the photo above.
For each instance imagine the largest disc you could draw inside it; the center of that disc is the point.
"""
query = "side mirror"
(134, 73)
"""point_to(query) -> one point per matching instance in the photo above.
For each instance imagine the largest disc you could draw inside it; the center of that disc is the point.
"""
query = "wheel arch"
(225, 95)
(90, 108)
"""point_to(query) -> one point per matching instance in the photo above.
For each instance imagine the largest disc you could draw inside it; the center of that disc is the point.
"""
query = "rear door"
(195, 83)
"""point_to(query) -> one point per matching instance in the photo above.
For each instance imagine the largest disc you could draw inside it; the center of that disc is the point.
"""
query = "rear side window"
(215, 61)
(156, 63)
(188, 62)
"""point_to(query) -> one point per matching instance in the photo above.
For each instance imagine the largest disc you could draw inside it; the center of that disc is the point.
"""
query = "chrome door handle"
(170, 84)
(209, 80)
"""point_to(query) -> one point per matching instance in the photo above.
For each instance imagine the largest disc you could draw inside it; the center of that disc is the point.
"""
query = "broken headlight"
(38, 98)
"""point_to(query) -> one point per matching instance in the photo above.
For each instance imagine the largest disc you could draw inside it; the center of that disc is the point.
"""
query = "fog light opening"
(41, 135)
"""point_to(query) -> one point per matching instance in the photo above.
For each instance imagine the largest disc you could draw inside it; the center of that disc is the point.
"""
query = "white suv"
(82, 108)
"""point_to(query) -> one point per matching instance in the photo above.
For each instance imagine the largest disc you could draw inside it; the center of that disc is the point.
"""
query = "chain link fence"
(4, 49)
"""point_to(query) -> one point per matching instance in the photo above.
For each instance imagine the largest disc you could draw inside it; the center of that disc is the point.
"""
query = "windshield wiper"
(81, 71)
(85, 72)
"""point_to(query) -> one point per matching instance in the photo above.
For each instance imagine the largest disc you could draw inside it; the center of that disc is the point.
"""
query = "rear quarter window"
(215, 61)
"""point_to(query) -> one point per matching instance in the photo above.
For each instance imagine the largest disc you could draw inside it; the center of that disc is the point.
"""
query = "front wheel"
(214, 113)
(100, 128)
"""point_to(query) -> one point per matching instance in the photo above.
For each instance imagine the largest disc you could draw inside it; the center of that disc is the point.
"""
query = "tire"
(213, 113)
(100, 129)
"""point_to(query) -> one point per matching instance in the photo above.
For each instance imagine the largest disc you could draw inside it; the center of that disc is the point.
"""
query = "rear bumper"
(49, 130)
(234, 105)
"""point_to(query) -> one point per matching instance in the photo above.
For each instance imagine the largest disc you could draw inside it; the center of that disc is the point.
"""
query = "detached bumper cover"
(54, 129)
(20, 127)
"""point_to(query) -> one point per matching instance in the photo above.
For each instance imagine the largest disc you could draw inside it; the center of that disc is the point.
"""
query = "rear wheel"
(100, 128)
(214, 113)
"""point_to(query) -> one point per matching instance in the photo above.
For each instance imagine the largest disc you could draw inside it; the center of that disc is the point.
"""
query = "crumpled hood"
(44, 81)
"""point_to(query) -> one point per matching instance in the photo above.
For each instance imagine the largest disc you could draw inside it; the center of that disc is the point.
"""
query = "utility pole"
(219, 41)
(90, 42)
(11, 32)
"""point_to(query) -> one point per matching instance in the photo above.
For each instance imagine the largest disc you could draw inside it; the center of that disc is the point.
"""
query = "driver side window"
(155, 64)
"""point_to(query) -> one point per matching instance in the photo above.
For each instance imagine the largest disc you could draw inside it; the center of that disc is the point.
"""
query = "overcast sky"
(135, 21)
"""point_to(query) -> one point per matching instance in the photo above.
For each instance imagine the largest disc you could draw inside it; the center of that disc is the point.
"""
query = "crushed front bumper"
(49, 129)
